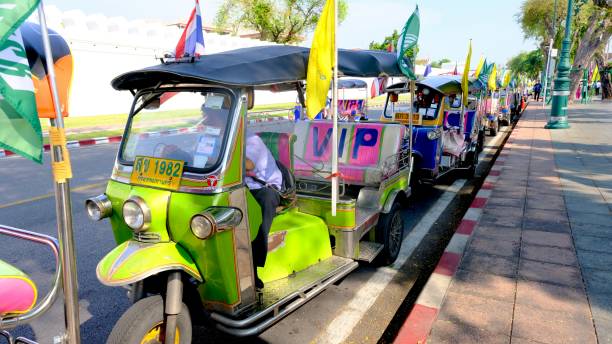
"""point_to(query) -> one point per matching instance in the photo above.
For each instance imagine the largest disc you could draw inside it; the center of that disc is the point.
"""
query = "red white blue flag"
(192, 39)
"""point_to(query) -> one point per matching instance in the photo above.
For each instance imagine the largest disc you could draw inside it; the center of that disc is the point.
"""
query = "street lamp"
(561, 91)
(550, 50)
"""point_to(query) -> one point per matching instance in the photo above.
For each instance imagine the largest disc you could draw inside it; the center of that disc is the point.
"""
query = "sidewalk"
(538, 265)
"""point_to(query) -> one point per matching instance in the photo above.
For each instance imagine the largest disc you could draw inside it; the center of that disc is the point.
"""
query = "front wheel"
(470, 164)
(481, 141)
(143, 323)
(495, 128)
(390, 232)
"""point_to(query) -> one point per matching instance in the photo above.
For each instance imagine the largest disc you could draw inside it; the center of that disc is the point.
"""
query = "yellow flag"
(321, 61)
(595, 76)
(479, 67)
(493, 79)
(466, 70)
(506, 79)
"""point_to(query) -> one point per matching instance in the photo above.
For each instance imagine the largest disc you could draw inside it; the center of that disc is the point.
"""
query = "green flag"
(483, 77)
(19, 124)
(12, 14)
(408, 40)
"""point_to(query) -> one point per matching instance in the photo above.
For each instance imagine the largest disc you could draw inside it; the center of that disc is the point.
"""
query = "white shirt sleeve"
(265, 165)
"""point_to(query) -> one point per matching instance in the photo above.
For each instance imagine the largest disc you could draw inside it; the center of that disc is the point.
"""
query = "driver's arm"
(250, 165)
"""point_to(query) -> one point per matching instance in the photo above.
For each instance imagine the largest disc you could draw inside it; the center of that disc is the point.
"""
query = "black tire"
(142, 317)
(481, 141)
(390, 233)
(493, 131)
(471, 161)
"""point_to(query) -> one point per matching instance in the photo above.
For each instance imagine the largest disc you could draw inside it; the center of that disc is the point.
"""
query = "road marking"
(49, 195)
(341, 327)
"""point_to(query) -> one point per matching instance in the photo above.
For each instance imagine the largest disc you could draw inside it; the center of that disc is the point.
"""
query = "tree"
(280, 21)
(439, 63)
(526, 64)
(390, 43)
(591, 29)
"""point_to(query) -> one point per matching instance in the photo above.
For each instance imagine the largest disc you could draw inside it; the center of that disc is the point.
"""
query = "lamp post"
(561, 91)
(550, 49)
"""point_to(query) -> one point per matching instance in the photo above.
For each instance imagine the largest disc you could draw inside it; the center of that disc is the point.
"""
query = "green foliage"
(280, 21)
(526, 64)
(439, 63)
(392, 41)
(536, 18)
(389, 40)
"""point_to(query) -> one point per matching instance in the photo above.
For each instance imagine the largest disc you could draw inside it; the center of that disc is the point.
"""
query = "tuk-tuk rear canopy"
(445, 84)
(257, 66)
(345, 84)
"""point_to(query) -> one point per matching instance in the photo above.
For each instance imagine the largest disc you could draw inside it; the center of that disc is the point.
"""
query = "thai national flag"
(192, 39)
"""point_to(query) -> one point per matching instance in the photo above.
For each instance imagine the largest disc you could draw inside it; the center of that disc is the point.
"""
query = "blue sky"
(446, 25)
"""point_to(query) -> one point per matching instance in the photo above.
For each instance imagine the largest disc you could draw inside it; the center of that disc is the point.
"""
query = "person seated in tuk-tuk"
(265, 180)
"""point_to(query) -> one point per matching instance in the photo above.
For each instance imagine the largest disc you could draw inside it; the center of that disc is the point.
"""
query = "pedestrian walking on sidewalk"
(537, 88)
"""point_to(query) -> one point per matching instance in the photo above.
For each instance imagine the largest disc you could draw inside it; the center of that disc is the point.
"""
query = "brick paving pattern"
(538, 268)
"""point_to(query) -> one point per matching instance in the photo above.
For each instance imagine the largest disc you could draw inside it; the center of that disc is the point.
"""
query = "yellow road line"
(49, 195)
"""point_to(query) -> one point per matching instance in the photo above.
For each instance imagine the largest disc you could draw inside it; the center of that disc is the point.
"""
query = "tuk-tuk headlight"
(136, 214)
(98, 207)
(201, 226)
(215, 219)
(433, 134)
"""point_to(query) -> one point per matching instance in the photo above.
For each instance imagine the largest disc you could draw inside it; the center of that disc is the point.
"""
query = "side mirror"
(153, 104)
(250, 98)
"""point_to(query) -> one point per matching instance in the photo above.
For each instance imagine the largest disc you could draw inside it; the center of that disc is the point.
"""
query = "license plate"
(161, 173)
(405, 116)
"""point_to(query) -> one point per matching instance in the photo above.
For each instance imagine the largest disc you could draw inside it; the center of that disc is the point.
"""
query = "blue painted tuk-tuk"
(443, 140)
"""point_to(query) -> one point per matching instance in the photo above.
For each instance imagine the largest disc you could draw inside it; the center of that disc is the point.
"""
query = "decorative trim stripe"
(73, 144)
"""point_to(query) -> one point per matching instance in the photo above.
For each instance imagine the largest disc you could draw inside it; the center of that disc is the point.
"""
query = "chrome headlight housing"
(214, 219)
(136, 214)
(201, 226)
(98, 207)
(434, 134)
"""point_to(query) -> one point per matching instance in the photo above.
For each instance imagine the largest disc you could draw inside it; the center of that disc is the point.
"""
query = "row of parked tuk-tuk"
(184, 220)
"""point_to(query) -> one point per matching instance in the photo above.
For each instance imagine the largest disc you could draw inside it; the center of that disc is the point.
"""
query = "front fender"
(134, 261)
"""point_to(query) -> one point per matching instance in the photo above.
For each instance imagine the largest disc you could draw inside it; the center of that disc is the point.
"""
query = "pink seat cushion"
(17, 291)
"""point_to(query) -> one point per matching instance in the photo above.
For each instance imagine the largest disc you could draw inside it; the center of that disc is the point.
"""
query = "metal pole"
(561, 91)
(412, 91)
(335, 117)
(549, 59)
(63, 206)
(546, 72)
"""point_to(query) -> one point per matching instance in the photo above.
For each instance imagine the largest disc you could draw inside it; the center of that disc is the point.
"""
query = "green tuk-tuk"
(183, 218)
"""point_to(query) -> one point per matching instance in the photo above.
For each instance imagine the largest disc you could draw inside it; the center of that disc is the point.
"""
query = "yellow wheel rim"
(152, 337)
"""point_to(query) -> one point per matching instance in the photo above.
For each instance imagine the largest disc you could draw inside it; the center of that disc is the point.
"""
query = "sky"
(446, 25)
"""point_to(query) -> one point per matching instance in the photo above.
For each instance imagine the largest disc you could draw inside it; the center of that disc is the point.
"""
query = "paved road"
(26, 202)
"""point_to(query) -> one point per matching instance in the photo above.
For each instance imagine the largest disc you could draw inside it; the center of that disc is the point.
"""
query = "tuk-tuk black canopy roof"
(445, 84)
(256, 66)
(351, 83)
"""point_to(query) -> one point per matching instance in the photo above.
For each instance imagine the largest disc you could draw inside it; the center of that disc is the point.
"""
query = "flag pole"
(335, 117)
(62, 200)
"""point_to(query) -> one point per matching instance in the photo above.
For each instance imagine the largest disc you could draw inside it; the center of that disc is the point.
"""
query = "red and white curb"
(73, 144)
(417, 326)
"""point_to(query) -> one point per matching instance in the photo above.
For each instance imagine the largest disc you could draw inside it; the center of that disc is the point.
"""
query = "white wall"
(105, 47)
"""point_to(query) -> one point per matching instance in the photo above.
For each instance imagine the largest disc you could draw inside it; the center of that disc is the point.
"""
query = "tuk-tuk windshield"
(426, 104)
(188, 126)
